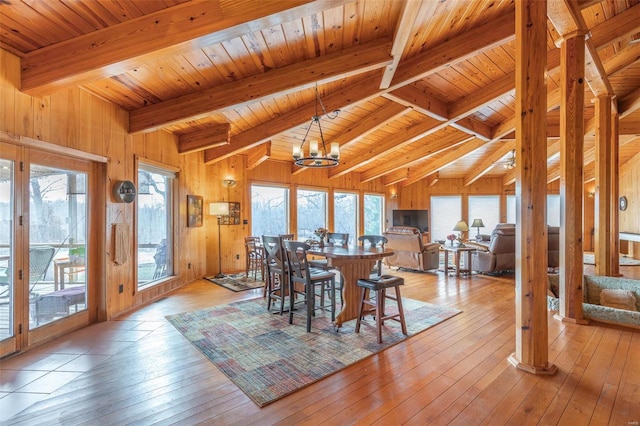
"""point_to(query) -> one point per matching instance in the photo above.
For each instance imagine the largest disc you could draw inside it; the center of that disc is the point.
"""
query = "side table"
(457, 253)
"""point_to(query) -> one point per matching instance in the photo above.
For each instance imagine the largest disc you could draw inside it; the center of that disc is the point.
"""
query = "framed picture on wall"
(194, 211)
(234, 215)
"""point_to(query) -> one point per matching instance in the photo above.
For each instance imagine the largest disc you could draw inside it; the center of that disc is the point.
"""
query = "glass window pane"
(487, 208)
(511, 209)
(373, 214)
(553, 210)
(446, 211)
(6, 248)
(269, 210)
(312, 212)
(155, 225)
(57, 242)
(345, 215)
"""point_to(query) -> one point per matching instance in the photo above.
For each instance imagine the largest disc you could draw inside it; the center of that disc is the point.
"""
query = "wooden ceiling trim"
(488, 162)
(509, 125)
(355, 93)
(395, 177)
(420, 172)
(370, 123)
(172, 31)
(200, 140)
(404, 29)
(281, 81)
(473, 127)
(415, 155)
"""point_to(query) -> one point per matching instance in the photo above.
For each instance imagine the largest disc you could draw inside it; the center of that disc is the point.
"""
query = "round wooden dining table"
(353, 263)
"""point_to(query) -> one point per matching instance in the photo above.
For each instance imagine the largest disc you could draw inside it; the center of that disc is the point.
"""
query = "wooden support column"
(532, 346)
(606, 203)
(571, 177)
(615, 191)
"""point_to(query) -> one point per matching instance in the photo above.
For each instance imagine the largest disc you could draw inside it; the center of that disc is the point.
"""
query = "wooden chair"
(376, 307)
(374, 241)
(301, 273)
(254, 260)
(276, 268)
(338, 239)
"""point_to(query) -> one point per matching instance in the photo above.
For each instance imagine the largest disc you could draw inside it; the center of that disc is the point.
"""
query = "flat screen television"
(416, 218)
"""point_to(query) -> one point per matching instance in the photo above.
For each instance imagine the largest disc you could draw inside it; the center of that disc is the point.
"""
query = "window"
(511, 209)
(487, 208)
(345, 215)
(553, 209)
(155, 224)
(373, 214)
(446, 211)
(312, 212)
(269, 210)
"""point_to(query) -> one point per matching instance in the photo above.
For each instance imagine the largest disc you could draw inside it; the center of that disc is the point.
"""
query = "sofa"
(500, 252)
(610, 300)
(409, 250)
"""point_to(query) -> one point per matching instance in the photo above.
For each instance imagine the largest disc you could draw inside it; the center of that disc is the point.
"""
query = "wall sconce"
(394, 196)
(592, 194)
(229, 183)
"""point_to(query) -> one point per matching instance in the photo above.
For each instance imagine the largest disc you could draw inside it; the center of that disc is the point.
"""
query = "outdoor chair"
(40, 258)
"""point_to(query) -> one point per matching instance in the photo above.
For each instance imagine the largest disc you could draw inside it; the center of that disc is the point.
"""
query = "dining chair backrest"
(371, 241)
(296, 255)
(287, 237)
(338, 239)
(251, 244)
(272, 246)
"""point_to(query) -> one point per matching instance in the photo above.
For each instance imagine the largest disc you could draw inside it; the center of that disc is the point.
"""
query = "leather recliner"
(409, 250)
(501, 255)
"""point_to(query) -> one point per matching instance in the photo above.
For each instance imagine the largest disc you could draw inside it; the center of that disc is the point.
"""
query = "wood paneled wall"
(630, 188)
(78, 120)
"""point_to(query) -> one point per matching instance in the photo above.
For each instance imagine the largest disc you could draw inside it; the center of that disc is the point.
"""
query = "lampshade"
(219, 209)
(477, 223)
(461, 226)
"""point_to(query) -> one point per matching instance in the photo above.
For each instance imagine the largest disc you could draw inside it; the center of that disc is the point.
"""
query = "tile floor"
(33, 376)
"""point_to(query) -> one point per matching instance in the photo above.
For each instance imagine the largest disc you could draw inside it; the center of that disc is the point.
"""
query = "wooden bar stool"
(376, 308)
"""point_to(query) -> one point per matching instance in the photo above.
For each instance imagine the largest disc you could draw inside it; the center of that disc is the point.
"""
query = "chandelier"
(318, 155)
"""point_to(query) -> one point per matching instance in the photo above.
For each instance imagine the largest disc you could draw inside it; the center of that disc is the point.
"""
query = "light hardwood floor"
(139, 370)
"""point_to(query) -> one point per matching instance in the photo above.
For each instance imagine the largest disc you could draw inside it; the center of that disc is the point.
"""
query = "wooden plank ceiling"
(423, 86)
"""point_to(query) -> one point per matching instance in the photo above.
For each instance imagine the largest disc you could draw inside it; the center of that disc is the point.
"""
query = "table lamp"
(477, 223)
(461, 227)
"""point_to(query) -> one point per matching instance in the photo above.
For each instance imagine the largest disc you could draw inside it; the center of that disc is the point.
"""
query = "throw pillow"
(619, 299)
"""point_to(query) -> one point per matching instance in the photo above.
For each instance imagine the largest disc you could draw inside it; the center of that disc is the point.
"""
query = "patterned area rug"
(238, 282)
(268, 358)
(589, 259)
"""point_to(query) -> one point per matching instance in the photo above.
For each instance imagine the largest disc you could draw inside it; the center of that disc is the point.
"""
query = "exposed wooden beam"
(171, 31)
(369, 124)
(417, 99)
(289, 79)
(629, 104)
(500, 149)
(421, 150)
(451, 156)
(216, 135)
(470, 43)
(622, 25)
(396, 177)
(622, 59)
(397, 140)
(359, 92)
(568, 21)
(403, 31)
(258, 155)
(473, 127)
(628, 127)
(490, 93)
(433, 178)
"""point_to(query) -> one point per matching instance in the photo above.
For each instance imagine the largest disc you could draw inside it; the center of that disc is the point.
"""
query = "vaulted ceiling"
(424, 87)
